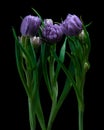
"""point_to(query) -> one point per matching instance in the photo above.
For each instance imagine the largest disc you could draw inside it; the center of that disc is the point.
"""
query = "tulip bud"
(86, 66)
(82, 36)
(36, 41)
(48, 22)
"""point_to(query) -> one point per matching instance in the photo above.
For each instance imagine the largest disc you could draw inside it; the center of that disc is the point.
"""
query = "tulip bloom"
(30, 25)
(52, 32)
(72, 25)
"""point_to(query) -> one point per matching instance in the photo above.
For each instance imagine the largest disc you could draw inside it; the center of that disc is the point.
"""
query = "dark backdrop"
(14, 107)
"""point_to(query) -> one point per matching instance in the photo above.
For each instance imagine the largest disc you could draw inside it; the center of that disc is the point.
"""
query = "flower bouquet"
(38, 57)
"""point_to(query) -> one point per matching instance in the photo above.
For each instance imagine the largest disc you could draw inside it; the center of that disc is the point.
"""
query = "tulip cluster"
(37, 58)
(71, 26)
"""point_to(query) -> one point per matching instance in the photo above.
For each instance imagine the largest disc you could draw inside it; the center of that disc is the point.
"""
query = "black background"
(14, 107)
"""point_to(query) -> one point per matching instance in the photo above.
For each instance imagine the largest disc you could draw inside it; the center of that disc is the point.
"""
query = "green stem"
(54, 110)
(81, 110)
(31, 114)
(81, 103)
(51, 70)
(51, 119)
(80, 118)
(54, 86)
(32, 120)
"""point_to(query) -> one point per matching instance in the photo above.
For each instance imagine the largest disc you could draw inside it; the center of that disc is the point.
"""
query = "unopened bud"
(82, 36)
(48, 21)
(21, 39)
(36, 41)
(86, 66)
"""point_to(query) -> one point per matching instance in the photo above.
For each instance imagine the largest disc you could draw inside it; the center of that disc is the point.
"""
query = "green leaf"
(61, 58)
(88, 42)
(19, 61)
(32, 116)
(70, 77)
(30, 58)
(38, 77)
(88, 24)
(44, 68)
(76, 64)
(33, 62)
(77, 56)
(30, 50)
(64, 94)
(25, 52)
(71, 45)
(76, 47)
(67, 87)
(38, 15)
(64, 68)
(79, 49)
(39, 113)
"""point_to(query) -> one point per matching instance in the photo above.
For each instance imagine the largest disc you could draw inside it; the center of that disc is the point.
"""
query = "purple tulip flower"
(52, 32)
(72, 25)
(30, 25)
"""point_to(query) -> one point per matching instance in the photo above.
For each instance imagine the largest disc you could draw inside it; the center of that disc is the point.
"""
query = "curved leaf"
(70, 77)
(44, 68)
(19, 61)
(61, 58)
